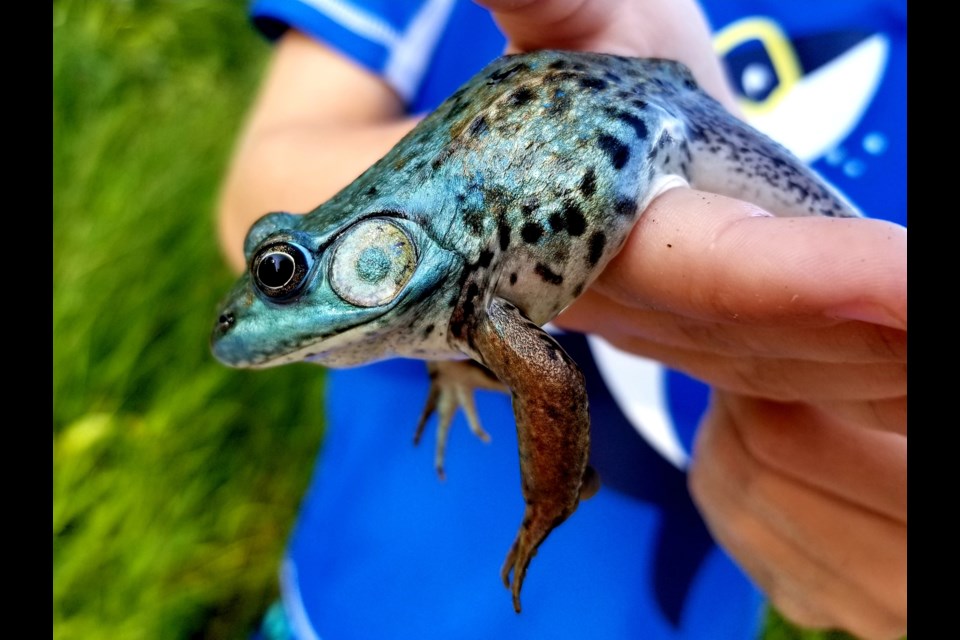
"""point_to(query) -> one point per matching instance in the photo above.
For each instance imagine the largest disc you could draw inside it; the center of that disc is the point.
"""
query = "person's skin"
(798, 324)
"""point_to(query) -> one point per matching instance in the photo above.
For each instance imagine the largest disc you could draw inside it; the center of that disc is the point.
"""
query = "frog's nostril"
(225, 321)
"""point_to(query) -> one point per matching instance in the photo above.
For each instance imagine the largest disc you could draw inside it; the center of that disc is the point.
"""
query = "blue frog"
(485, 222)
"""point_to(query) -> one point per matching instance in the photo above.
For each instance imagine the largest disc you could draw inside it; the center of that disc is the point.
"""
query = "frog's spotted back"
(481, 225)
(543, 162)
(567, 171)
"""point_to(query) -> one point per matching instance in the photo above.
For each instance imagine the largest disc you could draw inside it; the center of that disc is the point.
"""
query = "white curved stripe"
(293, 603)
(410, 55)
(821, 109)
(637, 384)
(357, 20)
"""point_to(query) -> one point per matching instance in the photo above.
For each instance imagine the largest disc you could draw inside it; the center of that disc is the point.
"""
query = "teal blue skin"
(485, 222)
(319, 325)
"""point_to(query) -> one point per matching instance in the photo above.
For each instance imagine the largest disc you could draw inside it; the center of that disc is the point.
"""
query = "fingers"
(888, 414)
(808, 445)
(816, 339)
(530, 24)
(781, 379)
(674, 29)
(798, 309)
(824, 539)
(706, 256)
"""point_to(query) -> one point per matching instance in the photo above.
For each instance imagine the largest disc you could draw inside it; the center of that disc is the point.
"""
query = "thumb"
(716, 258)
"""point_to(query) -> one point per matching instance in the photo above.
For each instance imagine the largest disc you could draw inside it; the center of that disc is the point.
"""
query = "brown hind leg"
(553, 426)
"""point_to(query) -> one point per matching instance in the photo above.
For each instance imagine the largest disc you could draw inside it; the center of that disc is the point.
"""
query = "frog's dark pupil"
(275, 270)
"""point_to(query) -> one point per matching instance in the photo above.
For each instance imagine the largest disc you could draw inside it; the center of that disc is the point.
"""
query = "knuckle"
(768, 379)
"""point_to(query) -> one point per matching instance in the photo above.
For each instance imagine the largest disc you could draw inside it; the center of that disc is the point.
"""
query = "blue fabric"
(386, 550)
(869, 164)
(272, 18)
(383, 549)
(469, 41)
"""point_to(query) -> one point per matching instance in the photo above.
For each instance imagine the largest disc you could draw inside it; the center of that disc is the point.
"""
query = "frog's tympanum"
(480, 226)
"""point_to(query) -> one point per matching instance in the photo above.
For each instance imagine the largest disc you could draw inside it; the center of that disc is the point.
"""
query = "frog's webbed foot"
(452, 383)
(539, 519)
(553, 427)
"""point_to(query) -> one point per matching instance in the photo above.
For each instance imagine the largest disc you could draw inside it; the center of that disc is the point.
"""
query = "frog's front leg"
(553, 425)
(452, 383)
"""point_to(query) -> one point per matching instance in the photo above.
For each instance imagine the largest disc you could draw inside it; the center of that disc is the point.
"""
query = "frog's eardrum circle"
(279, 270)
(371, 263)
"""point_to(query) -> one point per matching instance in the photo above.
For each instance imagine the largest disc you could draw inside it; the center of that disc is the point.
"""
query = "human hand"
(798, 324)
(675, 29)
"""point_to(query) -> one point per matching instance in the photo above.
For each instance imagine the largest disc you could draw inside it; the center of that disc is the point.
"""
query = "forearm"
(318, 122)
(295, 168)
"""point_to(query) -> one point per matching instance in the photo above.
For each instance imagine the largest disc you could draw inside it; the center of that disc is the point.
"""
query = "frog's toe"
(537, 524)
(442, 401)
(590, 483)
(428, 408)
(451, 387)
(465, 397)
(518, 559)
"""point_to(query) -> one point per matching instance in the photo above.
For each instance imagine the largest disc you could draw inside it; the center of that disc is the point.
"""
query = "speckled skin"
(514, 194)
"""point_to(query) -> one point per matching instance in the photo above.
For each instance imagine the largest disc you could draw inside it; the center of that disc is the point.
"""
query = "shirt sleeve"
(395, 40)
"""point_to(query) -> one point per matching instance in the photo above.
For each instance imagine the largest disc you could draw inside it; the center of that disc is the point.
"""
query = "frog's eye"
(371, 263)
(279, 270)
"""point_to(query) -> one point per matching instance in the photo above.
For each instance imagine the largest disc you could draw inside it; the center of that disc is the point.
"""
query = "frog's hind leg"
(731, 158)
(553, 426)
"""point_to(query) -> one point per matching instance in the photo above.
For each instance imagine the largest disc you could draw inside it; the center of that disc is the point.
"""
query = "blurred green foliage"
(176, 480)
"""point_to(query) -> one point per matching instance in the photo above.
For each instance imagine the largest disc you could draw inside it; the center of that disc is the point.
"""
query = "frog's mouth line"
(319, 348)
(234, 350)
(333, 348)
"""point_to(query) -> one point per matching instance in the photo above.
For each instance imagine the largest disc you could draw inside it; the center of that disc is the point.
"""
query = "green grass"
(176, 480)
